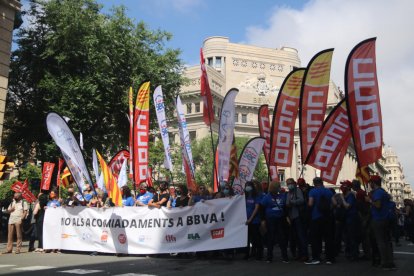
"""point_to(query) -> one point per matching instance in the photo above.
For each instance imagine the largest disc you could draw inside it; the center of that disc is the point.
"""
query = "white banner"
(184, 135)
(209, 225)
(162, 123)
(226, 132)
(67, 143)
(247, 163)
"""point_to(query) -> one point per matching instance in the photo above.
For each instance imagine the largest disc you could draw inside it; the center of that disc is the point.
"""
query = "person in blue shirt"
(53, 201)
(144, 195)
(321, 226)
(380, 224)
(127, 199)
(274, 204)
(352, 222)
(253, 200)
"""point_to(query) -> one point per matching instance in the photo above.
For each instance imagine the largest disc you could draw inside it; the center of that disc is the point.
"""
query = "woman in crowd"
(161, 197)
(127, 199)
(253, 200)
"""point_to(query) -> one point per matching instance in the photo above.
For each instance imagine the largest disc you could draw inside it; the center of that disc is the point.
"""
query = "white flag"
(123, 177)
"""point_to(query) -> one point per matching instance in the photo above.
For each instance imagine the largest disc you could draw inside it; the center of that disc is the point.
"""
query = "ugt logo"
(193, 236)
(217, 233)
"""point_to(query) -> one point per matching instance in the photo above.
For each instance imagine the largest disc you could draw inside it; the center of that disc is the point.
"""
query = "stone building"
(258, 73)
(396, 184)
(8, 9)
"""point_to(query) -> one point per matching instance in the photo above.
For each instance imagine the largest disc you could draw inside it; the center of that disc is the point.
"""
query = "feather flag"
(123, 177)
(208, 114)
(110, 182)
(313, 99)
(58, 179)
(264, 130)
(47, 174)
(331, 175)
(131, 132)
(363, 102)
(141, 133)
(284, 118)
(226, 132)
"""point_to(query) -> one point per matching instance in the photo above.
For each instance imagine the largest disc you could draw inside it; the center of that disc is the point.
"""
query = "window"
(281, 174)
(218, 62)
(236, 117)
(210, 61)
(197, 107)
(193, 135)
(188, 108)
(244, 119)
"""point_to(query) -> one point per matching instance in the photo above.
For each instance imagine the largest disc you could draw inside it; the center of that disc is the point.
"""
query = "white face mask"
(249, 189)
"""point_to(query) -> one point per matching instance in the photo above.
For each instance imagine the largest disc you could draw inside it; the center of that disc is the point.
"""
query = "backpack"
(324, 206)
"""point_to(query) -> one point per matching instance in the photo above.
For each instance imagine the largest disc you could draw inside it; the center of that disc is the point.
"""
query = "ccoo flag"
(331, 175)
(363, 102)
(331, 139)
(284, 118)
(208, 114)
(141, 133)
(264, 130)
(314, 96)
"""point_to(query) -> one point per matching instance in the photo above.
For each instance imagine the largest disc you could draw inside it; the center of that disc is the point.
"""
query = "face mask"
(70, 194)
(226, 191)
(291, 187)
(178, 193)
(142, 191)
(249, 189)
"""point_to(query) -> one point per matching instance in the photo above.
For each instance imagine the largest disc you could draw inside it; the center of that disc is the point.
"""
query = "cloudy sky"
(309, 26)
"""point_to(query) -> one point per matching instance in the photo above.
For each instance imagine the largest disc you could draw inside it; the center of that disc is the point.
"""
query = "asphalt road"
(81, 263)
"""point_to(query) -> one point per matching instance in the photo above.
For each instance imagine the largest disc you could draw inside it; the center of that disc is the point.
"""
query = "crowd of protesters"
(293, 217)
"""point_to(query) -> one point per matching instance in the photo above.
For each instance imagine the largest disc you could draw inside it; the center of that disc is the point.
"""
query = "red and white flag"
(47, 175)
(284, 118)
(264, 130)
(331, 139)
(331, 175)
(363, 102)
(208, 114)
(314, 96)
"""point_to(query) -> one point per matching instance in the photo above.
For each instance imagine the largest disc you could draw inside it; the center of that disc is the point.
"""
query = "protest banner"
(210, 225)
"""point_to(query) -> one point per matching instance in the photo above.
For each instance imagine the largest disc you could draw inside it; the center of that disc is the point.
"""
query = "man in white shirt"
(18, 211)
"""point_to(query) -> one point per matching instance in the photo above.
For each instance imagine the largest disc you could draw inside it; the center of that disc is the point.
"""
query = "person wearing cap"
(144, 195)
(352, 222)
(295, 204)
(321, 228)
(380, 202)
(274, 204)
(18, 211)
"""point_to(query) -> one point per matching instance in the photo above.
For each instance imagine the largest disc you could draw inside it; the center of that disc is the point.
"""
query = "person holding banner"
(127, 199)
(274, 204)
(18, 211)
(144, 195)
(39, 215)
(161, 197)
(53, 201)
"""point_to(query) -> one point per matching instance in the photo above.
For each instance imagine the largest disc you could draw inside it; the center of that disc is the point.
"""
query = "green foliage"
(5, 191)
(76, 61)
(30, 172)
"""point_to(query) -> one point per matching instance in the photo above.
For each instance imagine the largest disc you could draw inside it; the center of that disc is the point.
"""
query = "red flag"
(47, 175)
(331, 175)
(116, 162)
(314, 96)
(58, 180)
(18, 187)
(362, 174)
(284, 118)
(208, 114)
(331, 139)
(189, 176)
(363, 102)
(264, 130)
(141, 133)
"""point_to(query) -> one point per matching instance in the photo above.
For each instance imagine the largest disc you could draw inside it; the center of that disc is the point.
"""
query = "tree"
(76, 61)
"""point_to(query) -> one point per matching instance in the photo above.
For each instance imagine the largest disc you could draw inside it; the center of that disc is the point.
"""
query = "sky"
(309, 26)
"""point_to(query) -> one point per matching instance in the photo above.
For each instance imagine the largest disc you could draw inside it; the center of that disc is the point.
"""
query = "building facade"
(258, 73)
(396, 184)
(8, 9)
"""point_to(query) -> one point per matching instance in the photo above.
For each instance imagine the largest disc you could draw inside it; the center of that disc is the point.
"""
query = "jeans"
(298, 237)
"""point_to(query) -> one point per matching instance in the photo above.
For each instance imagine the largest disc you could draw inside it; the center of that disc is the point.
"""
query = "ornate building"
(258, 73)
(396, 184)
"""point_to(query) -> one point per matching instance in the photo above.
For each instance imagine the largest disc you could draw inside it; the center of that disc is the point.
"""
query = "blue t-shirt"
(88, 197)
(198, 198)
(274, 205)
(128, 201)
(316, 193)
(250, 206)
(145, 198)
(380, 213)
(351, 212)
(53, 203)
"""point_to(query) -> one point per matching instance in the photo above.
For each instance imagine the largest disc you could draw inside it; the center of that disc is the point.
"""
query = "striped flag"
(110, 182)
(362, 174)
(66, 177)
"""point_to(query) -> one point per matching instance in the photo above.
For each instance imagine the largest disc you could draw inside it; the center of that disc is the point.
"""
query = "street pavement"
(82, 263)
